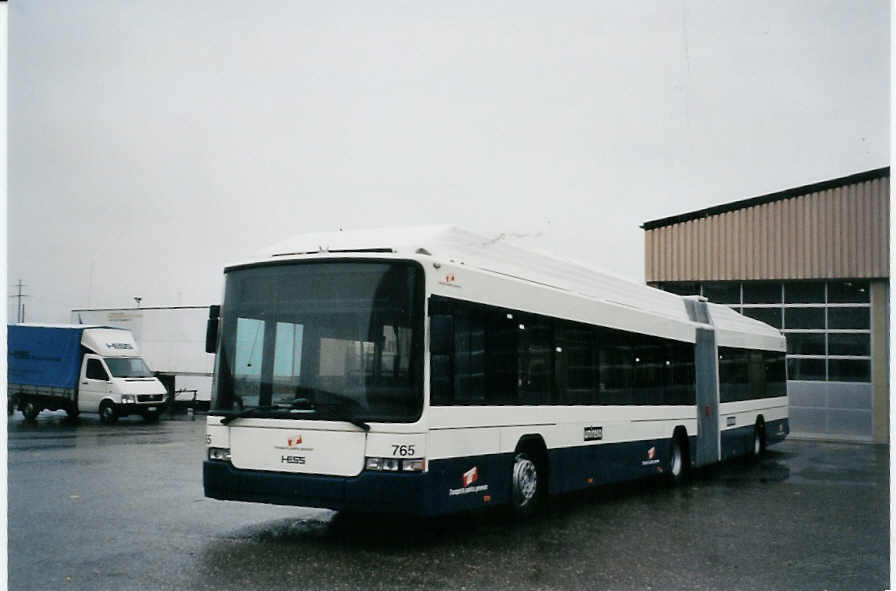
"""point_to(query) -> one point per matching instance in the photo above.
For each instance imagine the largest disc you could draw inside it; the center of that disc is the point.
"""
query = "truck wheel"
(108, 413)
(30, 410)
(72, 411)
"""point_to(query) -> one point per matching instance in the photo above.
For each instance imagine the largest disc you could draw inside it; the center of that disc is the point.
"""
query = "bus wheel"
(30, 410)
(758, 446)
(108, 414)
(676, 461)
(525, 486)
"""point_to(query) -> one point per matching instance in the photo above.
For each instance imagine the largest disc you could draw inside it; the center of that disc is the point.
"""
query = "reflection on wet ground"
(122, 507)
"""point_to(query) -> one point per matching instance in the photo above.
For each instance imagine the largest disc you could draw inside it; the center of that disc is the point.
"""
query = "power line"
(20, 307)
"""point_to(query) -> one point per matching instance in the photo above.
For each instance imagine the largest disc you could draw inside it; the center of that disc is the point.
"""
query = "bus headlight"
(394, 465)
(416, 465)
(219, 453)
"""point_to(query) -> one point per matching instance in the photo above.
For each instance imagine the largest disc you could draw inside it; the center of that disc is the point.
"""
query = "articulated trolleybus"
(430, 370)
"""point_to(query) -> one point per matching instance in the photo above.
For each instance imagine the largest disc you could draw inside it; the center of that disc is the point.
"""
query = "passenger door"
(93, 385)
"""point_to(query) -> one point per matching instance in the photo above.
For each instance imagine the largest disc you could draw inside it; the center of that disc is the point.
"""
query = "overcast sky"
(151, 143)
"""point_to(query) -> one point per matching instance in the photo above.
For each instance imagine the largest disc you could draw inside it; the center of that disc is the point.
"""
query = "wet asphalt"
(121, 507)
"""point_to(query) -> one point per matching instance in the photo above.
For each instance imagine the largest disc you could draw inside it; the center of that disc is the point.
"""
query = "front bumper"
(139, 408)
(368, 492)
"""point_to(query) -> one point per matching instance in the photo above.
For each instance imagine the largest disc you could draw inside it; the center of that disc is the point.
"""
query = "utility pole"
(20, 308)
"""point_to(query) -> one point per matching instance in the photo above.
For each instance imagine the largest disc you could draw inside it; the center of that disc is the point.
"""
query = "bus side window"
(441, 348)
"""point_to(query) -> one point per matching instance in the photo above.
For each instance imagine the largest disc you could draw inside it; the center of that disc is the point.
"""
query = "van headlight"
(128, 399)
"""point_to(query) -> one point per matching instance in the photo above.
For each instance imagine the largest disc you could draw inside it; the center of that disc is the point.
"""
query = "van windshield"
(342, 339)
(128, 367)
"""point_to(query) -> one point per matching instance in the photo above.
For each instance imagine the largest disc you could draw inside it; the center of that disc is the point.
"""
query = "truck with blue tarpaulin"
(79, 368)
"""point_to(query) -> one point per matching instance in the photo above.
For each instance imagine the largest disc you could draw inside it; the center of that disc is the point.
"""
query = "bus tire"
(108, 413)
(758, 439)
(527, 485)
(677, 461)
(30, 409)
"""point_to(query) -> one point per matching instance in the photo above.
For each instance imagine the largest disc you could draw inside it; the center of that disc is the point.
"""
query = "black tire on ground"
(30, 409)
(527, 485)
(72, 411)
(758, 445)
(677, 467)
(108, 413)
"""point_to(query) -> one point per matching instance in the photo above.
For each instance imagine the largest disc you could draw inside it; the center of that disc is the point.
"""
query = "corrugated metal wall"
(841, 232)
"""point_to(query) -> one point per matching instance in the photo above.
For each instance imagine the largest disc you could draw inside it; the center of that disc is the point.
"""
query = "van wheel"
(108, 413)
(526, 485)
(30, 410)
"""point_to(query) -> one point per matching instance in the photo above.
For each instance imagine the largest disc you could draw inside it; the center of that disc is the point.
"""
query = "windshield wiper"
(248, 412)
(341, 400)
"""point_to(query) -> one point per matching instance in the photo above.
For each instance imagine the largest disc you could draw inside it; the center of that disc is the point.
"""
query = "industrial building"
(812, 261)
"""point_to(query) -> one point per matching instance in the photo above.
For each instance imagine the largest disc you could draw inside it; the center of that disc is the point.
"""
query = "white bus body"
(432, 370)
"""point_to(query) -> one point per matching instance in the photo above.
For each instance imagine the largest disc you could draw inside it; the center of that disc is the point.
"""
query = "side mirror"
(211, 329)
(441, 334)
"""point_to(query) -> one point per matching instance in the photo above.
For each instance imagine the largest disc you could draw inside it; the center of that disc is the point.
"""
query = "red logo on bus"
(651, 453)
(471, 476)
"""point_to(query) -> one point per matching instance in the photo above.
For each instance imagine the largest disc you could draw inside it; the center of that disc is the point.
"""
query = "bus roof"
(450, 244)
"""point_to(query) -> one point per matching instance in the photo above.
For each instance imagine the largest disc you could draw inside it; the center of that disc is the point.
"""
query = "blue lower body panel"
(458, 484)
(370, 491)
(739, 441)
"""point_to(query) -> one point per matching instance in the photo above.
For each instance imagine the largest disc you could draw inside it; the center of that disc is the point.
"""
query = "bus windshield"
(337, 339)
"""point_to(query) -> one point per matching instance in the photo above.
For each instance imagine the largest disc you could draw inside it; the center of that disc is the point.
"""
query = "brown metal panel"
(704, 249)
(727, 245)
(802, 227)
(884, 244)
(788, 230)
(648, 256)
(815, 239)
(764, 268)
(821, 205)
(834, 232)
(734, 268)
(852, 253)
(862, 227)
(830, 249)
(837, 220)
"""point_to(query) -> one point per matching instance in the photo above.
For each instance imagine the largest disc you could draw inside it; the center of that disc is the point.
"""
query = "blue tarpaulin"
(44, 356)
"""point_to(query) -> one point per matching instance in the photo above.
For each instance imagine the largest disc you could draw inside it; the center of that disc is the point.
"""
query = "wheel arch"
(533, 444)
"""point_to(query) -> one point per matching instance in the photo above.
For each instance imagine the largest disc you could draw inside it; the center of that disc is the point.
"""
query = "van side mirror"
(211, 328)
(441, 334)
